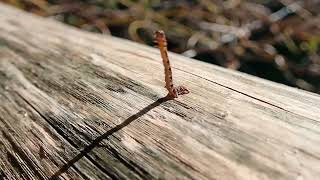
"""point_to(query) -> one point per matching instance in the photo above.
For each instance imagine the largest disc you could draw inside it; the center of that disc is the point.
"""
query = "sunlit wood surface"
(77, 105)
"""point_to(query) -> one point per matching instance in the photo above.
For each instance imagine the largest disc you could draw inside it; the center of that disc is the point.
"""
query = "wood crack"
(32, 166)
(250, 96)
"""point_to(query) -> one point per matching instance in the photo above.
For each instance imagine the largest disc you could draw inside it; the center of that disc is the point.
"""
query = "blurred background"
(273, 39)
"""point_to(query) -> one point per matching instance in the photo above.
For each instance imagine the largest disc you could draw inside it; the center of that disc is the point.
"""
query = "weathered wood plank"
(84, 106)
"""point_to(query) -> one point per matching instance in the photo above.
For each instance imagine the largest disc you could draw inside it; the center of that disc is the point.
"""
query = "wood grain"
(77, 105)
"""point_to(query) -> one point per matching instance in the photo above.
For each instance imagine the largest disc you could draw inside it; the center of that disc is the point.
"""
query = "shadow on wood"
(96, 142)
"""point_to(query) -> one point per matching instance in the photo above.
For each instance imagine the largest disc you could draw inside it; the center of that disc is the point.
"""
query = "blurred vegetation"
(276, 40)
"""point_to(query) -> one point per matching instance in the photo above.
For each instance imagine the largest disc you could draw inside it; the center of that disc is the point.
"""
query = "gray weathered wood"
(85, 106)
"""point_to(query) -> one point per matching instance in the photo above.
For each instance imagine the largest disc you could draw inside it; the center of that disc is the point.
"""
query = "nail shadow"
(96, 141)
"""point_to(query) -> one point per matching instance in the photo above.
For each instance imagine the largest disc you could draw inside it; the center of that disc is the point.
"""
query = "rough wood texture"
(75, 105)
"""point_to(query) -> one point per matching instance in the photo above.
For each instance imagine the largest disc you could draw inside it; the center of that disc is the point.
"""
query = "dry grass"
(276, 40)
